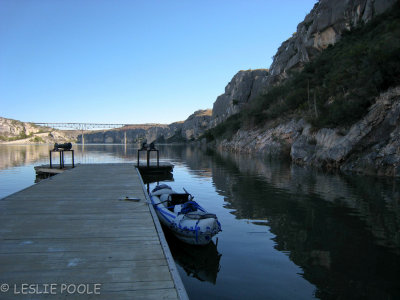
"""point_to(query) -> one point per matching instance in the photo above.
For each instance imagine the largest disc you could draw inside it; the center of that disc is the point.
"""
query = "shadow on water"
(156, 178)
(200, 262)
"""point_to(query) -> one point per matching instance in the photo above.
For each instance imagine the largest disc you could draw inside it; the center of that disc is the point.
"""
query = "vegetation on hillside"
(37, 139)
(335, 88)
(22, 135)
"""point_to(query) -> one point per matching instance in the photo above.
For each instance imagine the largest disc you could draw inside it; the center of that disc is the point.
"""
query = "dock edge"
(180, 288)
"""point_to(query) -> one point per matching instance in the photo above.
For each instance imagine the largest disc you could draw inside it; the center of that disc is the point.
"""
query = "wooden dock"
(75, 229)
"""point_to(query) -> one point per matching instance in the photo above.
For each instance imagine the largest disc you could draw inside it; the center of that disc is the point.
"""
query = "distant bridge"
(82, 127)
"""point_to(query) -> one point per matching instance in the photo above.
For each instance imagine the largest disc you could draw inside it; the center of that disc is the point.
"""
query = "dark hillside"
(337, 87)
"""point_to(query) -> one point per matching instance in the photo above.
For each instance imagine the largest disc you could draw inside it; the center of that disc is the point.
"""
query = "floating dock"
(45, 171)
(161, 171)
(78, 228)
(154, 168)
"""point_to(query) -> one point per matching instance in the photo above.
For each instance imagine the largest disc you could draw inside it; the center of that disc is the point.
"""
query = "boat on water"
(189, 222)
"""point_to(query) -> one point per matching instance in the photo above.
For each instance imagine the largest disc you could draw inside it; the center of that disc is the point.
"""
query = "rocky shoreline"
(17, 133)
(370, 146)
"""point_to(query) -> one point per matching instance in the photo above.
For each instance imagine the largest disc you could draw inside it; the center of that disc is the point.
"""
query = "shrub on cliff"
(37, 139)
(335, 88)
(339, 85)
(224, 130)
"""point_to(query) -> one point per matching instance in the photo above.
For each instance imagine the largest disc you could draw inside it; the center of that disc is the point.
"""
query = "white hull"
(196, 227)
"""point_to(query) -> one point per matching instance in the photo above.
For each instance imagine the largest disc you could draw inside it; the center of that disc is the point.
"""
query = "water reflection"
(17, 155)
(200, 262)
(341, 233)
(342, 230)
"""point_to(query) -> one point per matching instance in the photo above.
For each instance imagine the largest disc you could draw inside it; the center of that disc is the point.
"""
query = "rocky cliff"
(190, 129)
(13, 131)
(17, 132)
(370, 146)
(134, 134)
(322, 27)
(243, 87)
(196, 124)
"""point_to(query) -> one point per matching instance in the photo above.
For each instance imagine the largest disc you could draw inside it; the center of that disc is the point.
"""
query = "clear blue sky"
(148, 61)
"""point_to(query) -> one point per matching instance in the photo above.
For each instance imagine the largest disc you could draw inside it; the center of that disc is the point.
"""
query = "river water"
(289, 232)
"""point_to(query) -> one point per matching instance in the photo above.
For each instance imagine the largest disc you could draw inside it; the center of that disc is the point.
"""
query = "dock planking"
(75, 228)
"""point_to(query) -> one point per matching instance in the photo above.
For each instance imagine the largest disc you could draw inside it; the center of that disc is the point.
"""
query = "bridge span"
(81, 126)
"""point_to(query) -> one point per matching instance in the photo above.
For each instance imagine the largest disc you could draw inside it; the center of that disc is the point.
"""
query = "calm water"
(288, 232)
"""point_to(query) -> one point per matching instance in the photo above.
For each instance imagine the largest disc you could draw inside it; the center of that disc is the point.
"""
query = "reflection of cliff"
(343, 232)
(190, 154)
(367, 197)
(193, 156)
(18, 155)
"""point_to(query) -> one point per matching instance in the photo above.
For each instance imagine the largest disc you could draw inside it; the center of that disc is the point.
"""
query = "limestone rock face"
(17, 132)
(196, 124)
(191, 128)
(135, 134)
(244, 86)
(322, 27)
(274, 141)
(12, 128)
(370, 146)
